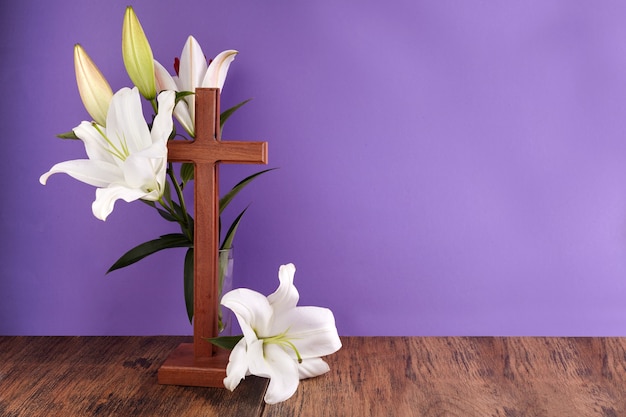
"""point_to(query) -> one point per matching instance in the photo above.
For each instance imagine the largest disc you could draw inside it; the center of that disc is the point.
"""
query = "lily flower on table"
(193, 72)
(280, 341)
(127, 160)
(95, 92)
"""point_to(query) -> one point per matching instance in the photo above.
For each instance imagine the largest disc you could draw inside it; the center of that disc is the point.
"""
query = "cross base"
(182, 368)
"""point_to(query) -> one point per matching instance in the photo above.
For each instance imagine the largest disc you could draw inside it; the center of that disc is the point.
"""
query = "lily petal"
(253, 312)
(146, 170)
(106, 198)
(218, 69)
(96, 173)
(312, 367)
(237, 367)
(286, 296)
(312, 330)
(94, 142)
(163, 79)
(274, 363)
(126, 126)
(162, 125)
(184, 117)
(192, 68)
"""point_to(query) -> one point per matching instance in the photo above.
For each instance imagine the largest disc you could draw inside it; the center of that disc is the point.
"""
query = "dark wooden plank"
(467, 377)
(107, 376)
(406, 376)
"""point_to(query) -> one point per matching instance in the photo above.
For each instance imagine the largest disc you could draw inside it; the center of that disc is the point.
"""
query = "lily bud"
(137, 55)
(94, 90)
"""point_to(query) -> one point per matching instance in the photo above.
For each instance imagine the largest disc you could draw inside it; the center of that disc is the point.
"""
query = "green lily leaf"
(163, 213)
(230, 234)
(182, 94)
(225, 342)
(186, 172)
(166, 215)
(224, 201)
(67, 135)
(167, 193)
(173, 240)
(229, 112)
(181, 213)
(188, 283)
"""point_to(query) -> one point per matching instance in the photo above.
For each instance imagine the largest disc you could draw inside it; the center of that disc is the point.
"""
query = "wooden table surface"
(370, 376)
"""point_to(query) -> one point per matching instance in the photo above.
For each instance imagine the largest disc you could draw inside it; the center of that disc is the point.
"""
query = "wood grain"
(382, 376)
(467, 377)
(107, 376)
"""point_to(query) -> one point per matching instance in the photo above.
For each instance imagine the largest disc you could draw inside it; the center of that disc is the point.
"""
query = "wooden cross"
(200, 363)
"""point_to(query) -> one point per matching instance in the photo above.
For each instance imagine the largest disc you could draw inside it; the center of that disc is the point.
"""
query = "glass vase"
(225, 261)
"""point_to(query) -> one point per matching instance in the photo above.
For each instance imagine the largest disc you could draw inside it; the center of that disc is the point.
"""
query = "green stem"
(170, 210)
(186, 228)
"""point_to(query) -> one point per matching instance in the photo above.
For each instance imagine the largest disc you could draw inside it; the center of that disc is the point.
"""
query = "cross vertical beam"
(200, 363)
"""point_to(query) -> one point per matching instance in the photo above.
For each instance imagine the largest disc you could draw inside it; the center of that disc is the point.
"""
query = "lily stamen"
(283, 341)
(112, 149)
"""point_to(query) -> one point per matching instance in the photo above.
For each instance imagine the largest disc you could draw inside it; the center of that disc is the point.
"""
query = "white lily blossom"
(193, 72)
(127, 160)
(280, 341)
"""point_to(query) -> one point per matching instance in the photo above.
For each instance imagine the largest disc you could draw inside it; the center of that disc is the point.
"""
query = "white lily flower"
(126, 160)
(280, 341)
(193, 72)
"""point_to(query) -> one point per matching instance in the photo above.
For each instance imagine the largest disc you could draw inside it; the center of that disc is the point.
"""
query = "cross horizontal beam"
(214, 151)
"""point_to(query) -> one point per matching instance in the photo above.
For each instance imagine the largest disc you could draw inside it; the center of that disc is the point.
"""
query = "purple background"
(446, 167)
